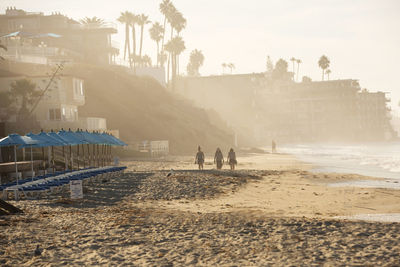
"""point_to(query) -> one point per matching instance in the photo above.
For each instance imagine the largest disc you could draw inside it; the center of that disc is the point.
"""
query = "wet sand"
(271, 211)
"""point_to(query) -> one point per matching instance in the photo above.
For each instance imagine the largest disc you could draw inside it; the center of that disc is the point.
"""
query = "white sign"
(76, 189)
(116, 161)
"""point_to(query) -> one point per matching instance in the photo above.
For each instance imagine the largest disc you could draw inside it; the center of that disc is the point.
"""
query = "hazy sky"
(360, 37)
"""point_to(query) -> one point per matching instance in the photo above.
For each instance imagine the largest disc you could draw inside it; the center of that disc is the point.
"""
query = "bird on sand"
(170, 173)
(38, 251)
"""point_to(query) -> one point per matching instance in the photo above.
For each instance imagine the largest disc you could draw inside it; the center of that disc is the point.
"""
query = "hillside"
(143, 110)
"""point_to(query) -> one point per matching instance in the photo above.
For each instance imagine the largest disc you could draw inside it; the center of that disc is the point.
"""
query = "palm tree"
(280, 71)
(270, 64)
(93, 22)
(231, 66)
(142, 20)
(224, 66)
(328, 71)
(298, 65)
(24, 95)
(323, 63)
(171, 19)
(146, 61)
(156, 35)
(293, 61)
(133, 21)
(165, 8)
(195, 62)
(163, 57)
(125, 17)
(175, 47)
(178, 23)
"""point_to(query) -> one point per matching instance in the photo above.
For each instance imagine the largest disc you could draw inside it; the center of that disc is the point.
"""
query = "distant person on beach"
(232, 159)
(199, 158)
(219, 158)
(273, 146)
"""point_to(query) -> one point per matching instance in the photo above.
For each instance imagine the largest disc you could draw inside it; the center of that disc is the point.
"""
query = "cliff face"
(143, 110)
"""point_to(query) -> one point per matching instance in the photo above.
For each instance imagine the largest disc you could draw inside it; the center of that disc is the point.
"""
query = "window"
(54, 114)
(81, 87)
(78, 87)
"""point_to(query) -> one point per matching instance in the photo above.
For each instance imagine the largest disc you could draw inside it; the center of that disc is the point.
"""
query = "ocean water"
(374, 159)
(392, 217)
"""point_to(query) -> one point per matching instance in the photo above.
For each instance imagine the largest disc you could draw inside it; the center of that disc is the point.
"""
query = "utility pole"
(59, 67)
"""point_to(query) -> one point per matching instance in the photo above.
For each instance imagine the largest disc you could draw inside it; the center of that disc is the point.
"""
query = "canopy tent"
(16, 140)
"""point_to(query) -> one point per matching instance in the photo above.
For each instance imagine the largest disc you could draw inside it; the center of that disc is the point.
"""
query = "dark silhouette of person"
(232, 159)
(273, 146)
(199, 158)
(219, 158)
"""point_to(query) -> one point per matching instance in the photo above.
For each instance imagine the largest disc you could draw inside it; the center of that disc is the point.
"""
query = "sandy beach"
(271, 211)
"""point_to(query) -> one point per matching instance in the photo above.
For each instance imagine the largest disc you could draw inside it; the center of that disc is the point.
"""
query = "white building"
(58, 107)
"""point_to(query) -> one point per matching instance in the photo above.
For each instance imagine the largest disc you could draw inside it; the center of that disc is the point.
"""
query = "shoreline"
(339, 198)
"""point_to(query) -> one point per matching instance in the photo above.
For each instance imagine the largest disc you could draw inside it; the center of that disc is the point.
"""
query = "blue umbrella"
(104, 142)
(114, 140)
(103, 139)
(73, 140)
(88, 137)
(59, 139)
(53, 142)
(91, 140)
(42, 141)
(63, 141)
(16, 140)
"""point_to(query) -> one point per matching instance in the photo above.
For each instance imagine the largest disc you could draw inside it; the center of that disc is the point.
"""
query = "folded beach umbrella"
(16, 140)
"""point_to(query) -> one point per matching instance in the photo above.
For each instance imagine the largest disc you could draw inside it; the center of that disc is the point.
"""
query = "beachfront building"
(58, 108)
(261, 109)
(34, 37)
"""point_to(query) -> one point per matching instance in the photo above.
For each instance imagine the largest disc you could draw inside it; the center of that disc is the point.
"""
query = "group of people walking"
(218, 158)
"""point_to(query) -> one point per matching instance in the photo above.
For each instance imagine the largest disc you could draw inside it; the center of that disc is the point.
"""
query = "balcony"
(96, 26)
(36, 55)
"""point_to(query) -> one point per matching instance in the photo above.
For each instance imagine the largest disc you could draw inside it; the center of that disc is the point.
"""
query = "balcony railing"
(103, 25)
